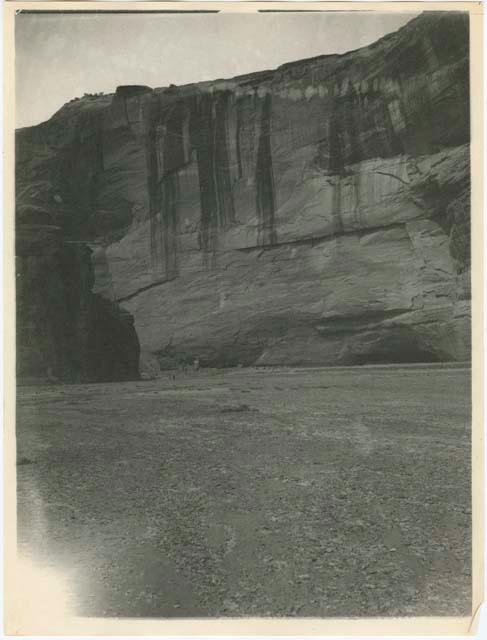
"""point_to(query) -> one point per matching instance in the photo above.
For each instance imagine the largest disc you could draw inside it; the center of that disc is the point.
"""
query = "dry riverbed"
(325, 492)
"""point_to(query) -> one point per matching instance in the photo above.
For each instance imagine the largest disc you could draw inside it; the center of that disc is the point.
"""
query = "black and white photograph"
(243, 318)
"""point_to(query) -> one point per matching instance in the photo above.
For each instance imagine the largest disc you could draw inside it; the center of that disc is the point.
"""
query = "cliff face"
(65, 332)
(315, 214)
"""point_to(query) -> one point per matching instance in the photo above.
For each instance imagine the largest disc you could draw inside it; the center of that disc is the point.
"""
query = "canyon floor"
(285, 492)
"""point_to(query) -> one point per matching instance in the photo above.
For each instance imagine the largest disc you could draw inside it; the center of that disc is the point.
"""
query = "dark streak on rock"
(237, 138)
(203, 138)
(226, 209)
(209, 135)
(264, 178)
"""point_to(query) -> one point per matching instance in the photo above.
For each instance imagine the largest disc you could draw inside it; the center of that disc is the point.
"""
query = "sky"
(61, 56)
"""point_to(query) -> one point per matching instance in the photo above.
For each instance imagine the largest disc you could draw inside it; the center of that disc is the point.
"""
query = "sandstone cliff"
(315, 214)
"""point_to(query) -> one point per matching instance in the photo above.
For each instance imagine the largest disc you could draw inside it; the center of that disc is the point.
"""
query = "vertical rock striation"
(315, 214)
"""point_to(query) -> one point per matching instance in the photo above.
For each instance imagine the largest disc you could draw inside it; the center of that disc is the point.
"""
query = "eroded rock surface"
(315, 214)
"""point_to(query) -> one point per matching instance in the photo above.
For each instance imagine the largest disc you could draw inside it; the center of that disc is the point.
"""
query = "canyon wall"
(315, 214)
(65, 331)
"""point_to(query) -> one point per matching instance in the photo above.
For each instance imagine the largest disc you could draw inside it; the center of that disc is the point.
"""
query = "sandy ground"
(340, 492)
